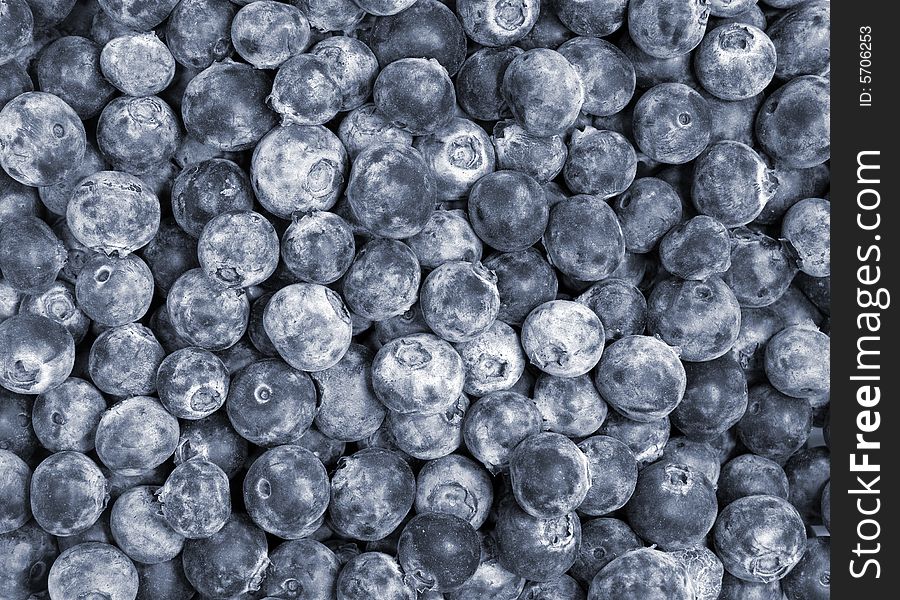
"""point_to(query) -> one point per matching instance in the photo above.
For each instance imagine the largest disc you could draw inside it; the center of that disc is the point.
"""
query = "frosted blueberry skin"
(735, 61)
(224, 106)
(671, 123)
(309, 326)
(700, 318)
(751, 475)
(647, 210)
(205, 314)
(286, 490)
(704, 571)
(542, 158)
(230, 562)
(318, 247)
(550, 476)
(137, 517)
(645, 440)
(459, 154)
(17, 28)
(563, 587)
(18, 200)
(58, 304)
(10, 299)
(811, 577)
(667, 28)
(732, 120)
(269, 403)
(66, 417)
(31, 255)
(496, 423)
(620, 305)
(371, 492)
(37, 354)
(602, 541)
(383, 280)
(352, 66)
(14, 80)
(524, 280)
(797, 361)
(373, 574)
(427, 29)
(14, 492)
(332, 15)
(93, 569)
(23, 572)
(698, 455)
(114, 291)
(493, 361)
(136, 134)
(138, 14)
(69, 68)
(650, 71)
(752, 518)
(538, 549)
(37, 130)
(306, 566)
(641, 377)
(192, 383)
(595, 18)
(793, 125)
(16, 432)
(443, 566)
(136, 435)
(584, 239)
(569, 405)
(563, 338)
(808, 471)
(448, 236)
(805, 227)
(305, 92)
(365, 126)
(478, 82)
(326, 449)
(195, 499)
(348, 408)
(77, 478)
(266, 33)
(607, 74)
(492, 23)
(696, 249)
(163, 580)
(731, 183)
(238, 249)
(384, 8)
(415, 94)
(428, 437)
(137, 64)
(714, 400)
(730, 8)
(214, 439)
(206, 189)
(170, 254)
(455, 485)
(761, 268)
(800, 37)
(459, 300)
(198, 32)
(508, 210)
(543, 91)
(124, 359)
(775, 425)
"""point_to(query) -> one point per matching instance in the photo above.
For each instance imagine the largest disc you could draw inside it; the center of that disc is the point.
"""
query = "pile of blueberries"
(414, 299)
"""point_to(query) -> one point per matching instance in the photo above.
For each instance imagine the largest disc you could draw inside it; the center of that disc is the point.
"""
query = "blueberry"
(391, 190)
(793, 124)
(808, 471)
(460, 300)
(192, 383)
(732, 120)
(15, 505)
(459, 154)
(607, 74)
(17, 27)
(136, 519)
(602, 541)
(371, 492)
(761, 268)
(69, 68)
(206, 189)
(198, 32)
(438, 551)
(10, 299)
(539, 549)
(498, 23)
(645, 440)
(318, 247)
(270, 403)
(170, 254)
(326, 449)
(93, 569)
(584, 239)
(563, 338)
(569, 405)
(373, 574)
(715, 398)
(14, 80)
(27, 554)
(195, 499)
(548, 31)
(230, 562)
(136, 134)
(238, 249)
(620, 305)
(214, 439)
(37, 130)
(672, 123)
(647, 210)
(31, 255)
(204, 313)
(267, 33)
(490, 580)
(544, 92)
(18, 200)
(304, 567)
(698, 455)
(730, 8)
(66, 417)
(58, 304)
(428, 436)
(752, 518)
(774, 426)
(37, 354)
(136, 375)
(16, 431)
(384, 8)
(496, 424)
(524, 281)
(800, 37)
(805, 227)
(796, 361)
(704, 571)
(114, 291)
(427, 29)
(542, 158)
(601, 163)
(75, 477)
(415, 94)
(667, 28)
(224, 106)
(140, 15)
(455, 485)
(305, 92)
(286, 490)
(383, 280)
(561, 588)
(137, 64)
(163, 580)
(113, 212)
(731, 183)
(353, 67)
(735, 61)
(331, 15)
(478, 83)
(650, 71)
(365, 126)
(508, 210)
(493, 361)
(696, 249)
(544, 458)
(136, 435)
(811, 578)
(734, 588)
(447, 236)
(701, 318)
